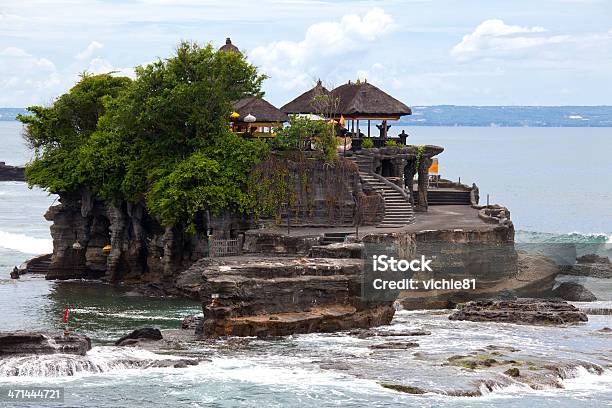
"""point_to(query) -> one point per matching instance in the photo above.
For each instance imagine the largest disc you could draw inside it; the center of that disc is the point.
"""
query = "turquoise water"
(556, 183)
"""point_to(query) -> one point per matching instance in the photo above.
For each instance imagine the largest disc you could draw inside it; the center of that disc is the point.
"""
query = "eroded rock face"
(141, 249)
(573, 292)
(591, 265)
(520, 311)
(337, 250)
(43, 343)
(276, 296)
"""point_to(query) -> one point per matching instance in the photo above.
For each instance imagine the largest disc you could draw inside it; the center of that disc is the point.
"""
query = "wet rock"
(146, 333)
(11, 173)
(394, 345)
(477, 362)
(278, 296)
(503, 348)
(335, 366)
(604, 330)
(171, 363)
(593, 258)
(520, 311)
(191, 322)
(15, 273)
(409, 333)
(591, 265)
(43, 343)
(463, 393)
(337, 250)
(326, 319)
(573, 292)
(364, 334)
(513, 372)
(408, 389)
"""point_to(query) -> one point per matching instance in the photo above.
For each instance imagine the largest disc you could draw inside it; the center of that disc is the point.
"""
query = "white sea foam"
(98, 360)
(25, 244)
(124, 315)
(584, 379)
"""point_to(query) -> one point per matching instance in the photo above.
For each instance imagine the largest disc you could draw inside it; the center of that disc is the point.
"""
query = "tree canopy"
(161, 139)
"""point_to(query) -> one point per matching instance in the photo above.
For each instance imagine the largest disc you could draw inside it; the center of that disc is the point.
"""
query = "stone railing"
(494, 214)
(392, 185)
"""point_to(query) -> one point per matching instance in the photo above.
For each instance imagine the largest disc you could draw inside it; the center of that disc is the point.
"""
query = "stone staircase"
(334, 237)
(398, 209)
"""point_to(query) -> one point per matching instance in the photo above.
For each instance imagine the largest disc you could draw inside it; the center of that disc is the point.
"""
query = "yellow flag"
(341, 121)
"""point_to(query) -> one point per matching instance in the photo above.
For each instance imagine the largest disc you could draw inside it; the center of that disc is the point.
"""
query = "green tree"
(56, 133)
(303, 133)
(161, 139)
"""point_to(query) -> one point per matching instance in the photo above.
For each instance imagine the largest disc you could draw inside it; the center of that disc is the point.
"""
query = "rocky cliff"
(142, 250)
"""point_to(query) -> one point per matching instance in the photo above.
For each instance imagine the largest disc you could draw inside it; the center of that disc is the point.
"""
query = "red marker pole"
(66, 331)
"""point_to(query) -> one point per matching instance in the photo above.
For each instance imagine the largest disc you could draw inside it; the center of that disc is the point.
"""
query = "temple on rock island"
(299, 269)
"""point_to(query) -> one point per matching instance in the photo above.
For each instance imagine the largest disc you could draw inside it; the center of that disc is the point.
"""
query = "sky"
(423, 52)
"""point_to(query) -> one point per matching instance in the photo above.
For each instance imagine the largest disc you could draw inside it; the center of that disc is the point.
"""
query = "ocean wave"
(125, 315)
(25, 244)
(98, 360)
(571, 237)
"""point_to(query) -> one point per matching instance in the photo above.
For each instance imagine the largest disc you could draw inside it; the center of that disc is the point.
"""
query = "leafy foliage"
(58, 132)
(304, 133)
(367, 143)
(162, 139)
(390, 143)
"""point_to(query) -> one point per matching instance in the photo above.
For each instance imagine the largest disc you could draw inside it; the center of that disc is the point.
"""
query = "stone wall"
(311, 192)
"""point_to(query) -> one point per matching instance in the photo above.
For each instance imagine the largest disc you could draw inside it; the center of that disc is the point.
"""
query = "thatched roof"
(361, 99)
(229, 46)
(262, 110)
(304, 102)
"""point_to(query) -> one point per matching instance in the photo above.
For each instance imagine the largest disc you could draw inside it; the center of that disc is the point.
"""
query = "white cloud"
(13, 52)
(89, 51)
(25, 76)
(494, 36)
(102, 66)
(294, 64)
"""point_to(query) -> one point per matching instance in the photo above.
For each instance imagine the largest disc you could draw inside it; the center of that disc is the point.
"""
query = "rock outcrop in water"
(43, 343)
(591, 265)
(520, 311)
(11, 173)
(277, 296)
(138, 335)
(574, 292)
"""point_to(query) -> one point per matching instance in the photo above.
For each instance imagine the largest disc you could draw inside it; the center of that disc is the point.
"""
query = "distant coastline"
(480, 116)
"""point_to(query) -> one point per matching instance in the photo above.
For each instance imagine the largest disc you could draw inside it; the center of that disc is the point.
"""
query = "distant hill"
(503, 116)
(517, 116)
(11, 113)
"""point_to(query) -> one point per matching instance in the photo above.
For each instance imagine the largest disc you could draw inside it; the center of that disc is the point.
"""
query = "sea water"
(556, 183)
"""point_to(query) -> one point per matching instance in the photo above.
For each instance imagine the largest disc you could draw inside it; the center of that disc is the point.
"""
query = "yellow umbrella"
(234, 115)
